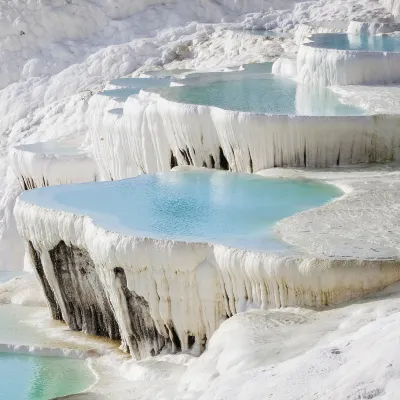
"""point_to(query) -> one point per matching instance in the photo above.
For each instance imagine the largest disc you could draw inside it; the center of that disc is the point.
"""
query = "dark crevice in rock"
(191, 341)
(87, 306)
(305, 156)
(251, 162)
(204, 164)
(223, 162)
(186, 155)
(143, 338)
(27, 183)
(175, 338)
(37, 262)
(338, 159)
(173, 161)
(212, 161)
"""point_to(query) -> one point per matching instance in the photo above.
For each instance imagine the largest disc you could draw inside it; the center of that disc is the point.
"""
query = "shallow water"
(41, 378)
(269, 94)
(238, 210)
(32, 377)
(343, 41)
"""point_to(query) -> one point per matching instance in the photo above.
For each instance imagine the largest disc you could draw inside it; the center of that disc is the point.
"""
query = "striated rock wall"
(156, 134)
(329, 67)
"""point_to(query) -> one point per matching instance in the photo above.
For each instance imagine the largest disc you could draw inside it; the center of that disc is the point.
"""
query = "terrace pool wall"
(155, 134)
(324, 66)
(170, 292)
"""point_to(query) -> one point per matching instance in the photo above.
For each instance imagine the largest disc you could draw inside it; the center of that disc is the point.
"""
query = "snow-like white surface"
(51, 163)
(151, 127)
(373, 99)
(328, 67)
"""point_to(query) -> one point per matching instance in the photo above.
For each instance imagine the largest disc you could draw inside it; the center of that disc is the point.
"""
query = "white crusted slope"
(51, 163)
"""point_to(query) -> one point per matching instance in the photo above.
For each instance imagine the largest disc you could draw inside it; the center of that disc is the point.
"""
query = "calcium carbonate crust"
(329, 67)
(155, 134)
(36, 169)
(182, 291)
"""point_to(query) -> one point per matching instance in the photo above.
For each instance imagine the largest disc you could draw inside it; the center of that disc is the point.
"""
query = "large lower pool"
(41, 378)
(344, 41)
(239, 210)
(270, 94)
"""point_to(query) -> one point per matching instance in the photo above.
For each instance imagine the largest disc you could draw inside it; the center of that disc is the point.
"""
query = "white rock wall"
(36, 169)
(152, 129)
(329, 67)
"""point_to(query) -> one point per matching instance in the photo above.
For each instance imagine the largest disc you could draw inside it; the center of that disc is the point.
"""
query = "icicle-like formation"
(371, 28)
(153, 134)
(50, 163)
(163, 292)
(285, 66)
(329, 67)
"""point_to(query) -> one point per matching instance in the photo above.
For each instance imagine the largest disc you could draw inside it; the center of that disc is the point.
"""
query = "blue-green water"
(269, 94)
(41, 378)
(121, 94)
(343, 41)
(238, 210)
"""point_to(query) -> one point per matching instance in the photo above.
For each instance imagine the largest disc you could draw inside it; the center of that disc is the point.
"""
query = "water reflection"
(343, 41)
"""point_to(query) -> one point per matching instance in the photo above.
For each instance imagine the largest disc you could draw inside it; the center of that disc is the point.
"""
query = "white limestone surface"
(51, 163)
(329, 67)
(152, 129)
(285, 66)
(372, 27)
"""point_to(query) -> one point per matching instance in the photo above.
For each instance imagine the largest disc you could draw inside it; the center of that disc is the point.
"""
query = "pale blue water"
(343, 41)
(258, 67)
(41, 378)
(121, 94)
(238, 210)
(269, 94)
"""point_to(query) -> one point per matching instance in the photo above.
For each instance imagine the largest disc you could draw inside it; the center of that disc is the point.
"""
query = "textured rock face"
(77, 295)
(84, 299)
(138, 324)
(48, 291)
(155, 134)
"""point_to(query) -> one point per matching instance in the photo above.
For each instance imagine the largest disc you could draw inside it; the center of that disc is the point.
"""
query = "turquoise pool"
(41, 378)
(344, 41)
(269, 94)
(238, 210)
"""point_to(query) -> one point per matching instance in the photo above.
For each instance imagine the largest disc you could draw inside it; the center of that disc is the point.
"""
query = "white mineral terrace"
(341, 251)
(51, 163)
(329, 60)
(149, 133)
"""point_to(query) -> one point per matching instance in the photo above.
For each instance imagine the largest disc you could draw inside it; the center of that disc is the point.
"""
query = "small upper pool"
(344, 41)
(238, 210)
(269, 94)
